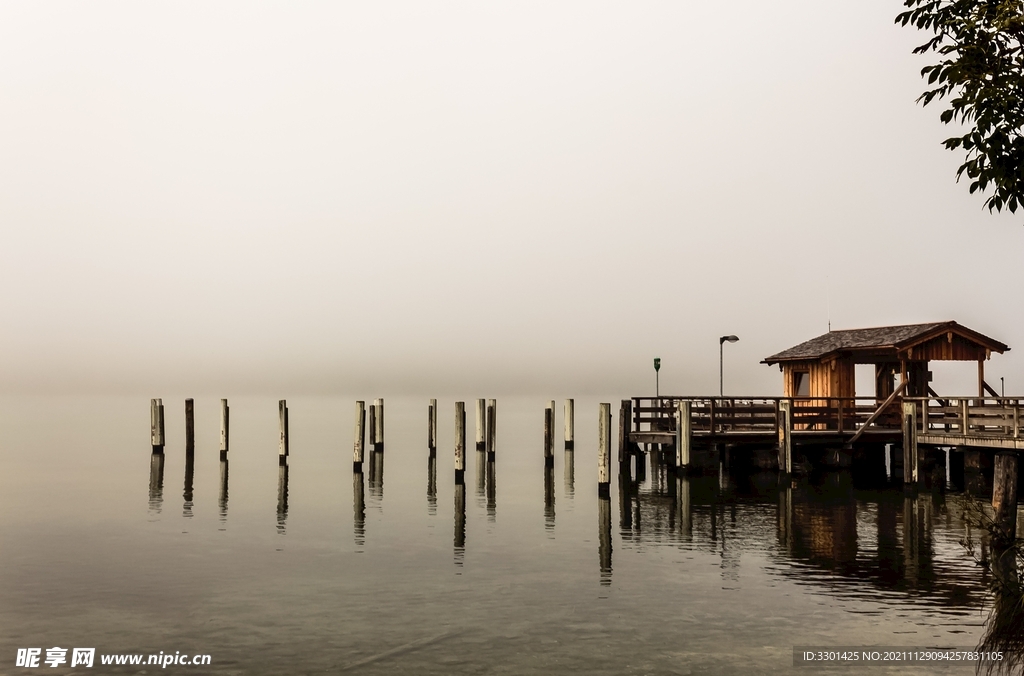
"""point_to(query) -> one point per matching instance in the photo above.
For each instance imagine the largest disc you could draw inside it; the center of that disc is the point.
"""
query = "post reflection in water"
(222, 501)
(491, 492)
(785, 517)
(627, 492)
(481, 478)
(604, 535)
(156, 482)
(358, 509)
(186, 509)
(684, 510)
(460, 523)
(376, 478)
(549, 500)
(569, 472)
(282, 498)
(432, 485)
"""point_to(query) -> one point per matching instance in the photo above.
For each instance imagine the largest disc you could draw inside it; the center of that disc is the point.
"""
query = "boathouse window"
(801, 384)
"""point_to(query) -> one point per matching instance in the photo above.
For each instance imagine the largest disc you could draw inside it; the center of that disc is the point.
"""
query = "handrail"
(878, 413)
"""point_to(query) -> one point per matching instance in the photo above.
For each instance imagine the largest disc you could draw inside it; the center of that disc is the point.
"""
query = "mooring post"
(190, 426)
(378, 442)
(156, 424)
(432, 427)
(570, 419)
(225, 428)
(282, 423)
(910, 464)
(360, 437)
(604, 449)
(460, 441)
(492, 419)
(1004, 495)
(684, 435)
(372, 425)
(549, 436)
(786, 437)
(481, 424)
(625, 414)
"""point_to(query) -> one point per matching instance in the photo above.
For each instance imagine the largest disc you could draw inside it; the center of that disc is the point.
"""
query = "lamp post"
(657, 367)
(721, 367)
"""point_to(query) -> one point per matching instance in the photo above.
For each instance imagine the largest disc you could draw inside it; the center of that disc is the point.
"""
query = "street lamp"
(721, 368)
(657, 367)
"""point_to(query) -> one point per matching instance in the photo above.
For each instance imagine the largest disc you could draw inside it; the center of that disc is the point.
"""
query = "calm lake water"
(522, 571)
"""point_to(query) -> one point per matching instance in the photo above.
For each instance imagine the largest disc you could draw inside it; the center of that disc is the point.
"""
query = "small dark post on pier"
(1004, 495)
(604, 449)
(282, 421)
(432, 427)
(225, 428)
(358, 443)
(569, 423)
(190, 426)
(460, 441)
(156, 424)
(492, 419)
(549, 436)
(481, 424)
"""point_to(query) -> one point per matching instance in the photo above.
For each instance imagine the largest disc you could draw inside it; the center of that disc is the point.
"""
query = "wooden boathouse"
(820, 420)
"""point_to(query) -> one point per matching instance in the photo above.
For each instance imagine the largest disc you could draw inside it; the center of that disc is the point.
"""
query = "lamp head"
(657, 364)
(731, 339)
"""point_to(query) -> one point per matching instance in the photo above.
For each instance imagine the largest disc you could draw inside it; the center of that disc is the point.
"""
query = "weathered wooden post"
(432, 427)
(282, 423)
(492, 435)
(1004, 496)
(190, 426)
(604, 449)
(684, 435)
(460, 441)
(549, 436)
(481, 424)
(156, 424)
(372, 426)
(379, 433)
(570, 420)
(360, 437)
(225, 428)
(625, 414)
(785, 437)
(910, 465)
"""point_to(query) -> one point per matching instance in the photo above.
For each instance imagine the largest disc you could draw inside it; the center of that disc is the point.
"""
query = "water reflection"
(358, 509)
(432, 485)
(222, 501)
(683, 509)
(549, 500)
(460, 524)
(492, 491)
(376, 478)
(481, 477)
(282, 497)
(604, 540)
(186, 508)
(569, 472)
(156, 483)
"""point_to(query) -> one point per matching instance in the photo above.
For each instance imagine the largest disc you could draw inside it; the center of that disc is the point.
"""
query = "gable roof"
(894, 338)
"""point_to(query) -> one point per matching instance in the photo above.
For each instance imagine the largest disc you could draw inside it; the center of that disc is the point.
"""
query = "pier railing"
(995, 417)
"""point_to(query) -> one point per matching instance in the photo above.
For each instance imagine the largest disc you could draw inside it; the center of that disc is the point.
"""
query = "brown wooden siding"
(942, 348)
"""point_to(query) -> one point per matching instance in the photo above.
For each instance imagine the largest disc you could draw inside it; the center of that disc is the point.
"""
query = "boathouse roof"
(881, 341)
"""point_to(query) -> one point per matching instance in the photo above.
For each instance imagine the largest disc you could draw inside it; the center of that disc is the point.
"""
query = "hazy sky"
(458, 197)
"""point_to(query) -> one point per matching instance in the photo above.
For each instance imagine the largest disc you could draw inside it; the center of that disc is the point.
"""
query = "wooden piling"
(481, 424)
(786, 437)
(282, 423)
(625, 415)
(156, 424)
(684, 435)
(360, 437)
(225, 428)
(910, 451)
(1004, 496)
(460, 441)
(569, 415)
(378, 442)
(549, 436)
(190, 426)
(604, 449)
(432, 427)
(372, 427)
(492, 419)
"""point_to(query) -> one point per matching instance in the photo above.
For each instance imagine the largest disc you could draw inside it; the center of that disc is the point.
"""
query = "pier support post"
(492, 434)
(1004, 495)
(378, 434)
(360, 437)
(282, 424)
(481, 425)
(684, 435)
(156, 424)
(604, 449)
(625, 415)
(549, 435)
(786, 437)
(910, 452)
(569, 423)
(432, 427)
(190, 426)
(460, 441)
(225, 428)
